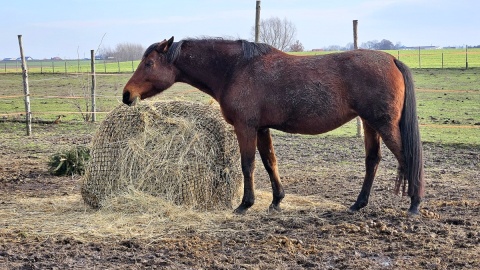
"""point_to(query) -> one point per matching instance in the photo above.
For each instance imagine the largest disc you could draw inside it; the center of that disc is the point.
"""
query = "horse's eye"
(149, 64)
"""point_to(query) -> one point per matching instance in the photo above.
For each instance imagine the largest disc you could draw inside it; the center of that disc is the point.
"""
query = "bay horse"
(259, 87)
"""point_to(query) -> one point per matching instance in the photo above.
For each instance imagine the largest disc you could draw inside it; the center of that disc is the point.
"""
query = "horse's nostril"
(126, 98)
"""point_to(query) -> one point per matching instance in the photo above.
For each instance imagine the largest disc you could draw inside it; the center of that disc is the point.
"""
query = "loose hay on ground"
(181, 151)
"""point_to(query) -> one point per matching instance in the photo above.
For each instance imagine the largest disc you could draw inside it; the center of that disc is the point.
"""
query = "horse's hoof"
(413, 212)
(356, 207)
(241, 210)
(352, 210)
(274, 208)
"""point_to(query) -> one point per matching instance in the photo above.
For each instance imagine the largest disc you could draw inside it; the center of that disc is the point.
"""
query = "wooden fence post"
(355, 46)
(94, 84)
(466, 56)
(257, 21)
(26, 91)
(419, 59)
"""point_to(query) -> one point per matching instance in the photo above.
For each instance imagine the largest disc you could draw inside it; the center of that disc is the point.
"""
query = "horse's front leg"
(265, 148)
(247, 141)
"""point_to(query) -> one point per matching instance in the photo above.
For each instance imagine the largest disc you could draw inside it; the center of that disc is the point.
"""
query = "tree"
(123, 52)
(385, 44)
(296, 47)
(128, 51)
(277, 33)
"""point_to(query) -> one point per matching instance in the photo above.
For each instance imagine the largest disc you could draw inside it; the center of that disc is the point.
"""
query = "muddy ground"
(322, 178)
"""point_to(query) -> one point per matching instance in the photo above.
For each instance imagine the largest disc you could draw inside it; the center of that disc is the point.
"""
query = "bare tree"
(277, 33)
(296, 47)
(128, 51)
(123, 52)
(106, 52)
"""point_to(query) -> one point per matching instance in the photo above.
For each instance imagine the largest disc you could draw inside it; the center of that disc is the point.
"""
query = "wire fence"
(414, 58)
(429, 58)
(439, 58)
(69, 66)
(61, 89)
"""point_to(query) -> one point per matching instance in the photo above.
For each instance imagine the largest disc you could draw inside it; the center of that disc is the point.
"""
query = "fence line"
(70, 66)
(414, 58)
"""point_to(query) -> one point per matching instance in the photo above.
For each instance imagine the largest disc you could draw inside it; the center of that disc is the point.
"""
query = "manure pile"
(179, 151)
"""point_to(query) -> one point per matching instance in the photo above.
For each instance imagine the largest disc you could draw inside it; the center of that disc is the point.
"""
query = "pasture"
(45, 224)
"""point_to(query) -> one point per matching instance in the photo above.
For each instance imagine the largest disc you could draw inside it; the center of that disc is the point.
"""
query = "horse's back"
(316, 94)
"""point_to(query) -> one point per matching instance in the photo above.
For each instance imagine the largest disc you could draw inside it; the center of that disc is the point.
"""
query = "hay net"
(180, 151)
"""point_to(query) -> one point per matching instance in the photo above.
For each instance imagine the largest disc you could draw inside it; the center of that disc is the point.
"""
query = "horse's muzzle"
(126, 98)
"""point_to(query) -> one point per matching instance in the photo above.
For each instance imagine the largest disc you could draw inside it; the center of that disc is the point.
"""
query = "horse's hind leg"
(265, 148)
(372, 159)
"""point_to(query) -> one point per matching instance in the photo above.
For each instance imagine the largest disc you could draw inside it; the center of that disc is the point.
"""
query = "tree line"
(122, 52)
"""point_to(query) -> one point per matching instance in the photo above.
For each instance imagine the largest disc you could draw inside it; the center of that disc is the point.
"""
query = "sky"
(71, 28)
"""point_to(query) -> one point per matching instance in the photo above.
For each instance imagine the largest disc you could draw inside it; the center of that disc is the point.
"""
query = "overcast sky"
(73, 27)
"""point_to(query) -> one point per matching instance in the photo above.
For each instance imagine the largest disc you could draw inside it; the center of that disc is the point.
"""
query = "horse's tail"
(411, 144)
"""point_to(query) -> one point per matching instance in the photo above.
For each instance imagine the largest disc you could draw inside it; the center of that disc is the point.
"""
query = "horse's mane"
(250, 49)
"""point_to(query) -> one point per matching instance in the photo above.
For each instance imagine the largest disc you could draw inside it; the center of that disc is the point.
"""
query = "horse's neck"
(206, 69)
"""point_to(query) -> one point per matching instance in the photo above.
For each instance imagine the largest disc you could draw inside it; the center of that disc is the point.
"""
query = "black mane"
(250, 49)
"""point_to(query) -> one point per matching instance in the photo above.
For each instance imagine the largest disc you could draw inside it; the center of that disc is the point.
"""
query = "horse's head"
(153, 75)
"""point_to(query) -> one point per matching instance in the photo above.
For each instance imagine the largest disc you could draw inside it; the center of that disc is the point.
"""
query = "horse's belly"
(313, 126)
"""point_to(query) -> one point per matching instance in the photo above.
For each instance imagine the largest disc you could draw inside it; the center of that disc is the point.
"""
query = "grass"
(447, 100)
(441, 58)
(69, 66)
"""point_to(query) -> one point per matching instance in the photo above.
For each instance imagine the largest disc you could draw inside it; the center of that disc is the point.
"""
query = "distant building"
(26, 58)
(56, 58)
(422, 48)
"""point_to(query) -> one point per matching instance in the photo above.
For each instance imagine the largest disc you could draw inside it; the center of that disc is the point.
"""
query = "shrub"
(69, 162)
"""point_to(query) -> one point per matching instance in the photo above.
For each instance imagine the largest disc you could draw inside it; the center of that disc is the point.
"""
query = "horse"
(260, 88)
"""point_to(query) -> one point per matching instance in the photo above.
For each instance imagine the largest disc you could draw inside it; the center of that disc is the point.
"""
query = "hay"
(180, 151)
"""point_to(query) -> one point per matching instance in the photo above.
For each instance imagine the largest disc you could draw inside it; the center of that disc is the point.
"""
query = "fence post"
(118, 64)
(53, 67)
(26, 91)
(65, 67)
(466, 56)
(94, 83)
(355, 46)
(442, 60)
(257, 21)
(419, 61)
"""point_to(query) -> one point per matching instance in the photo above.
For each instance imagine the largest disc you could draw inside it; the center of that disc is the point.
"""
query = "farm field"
(44, 223)
(434, 58)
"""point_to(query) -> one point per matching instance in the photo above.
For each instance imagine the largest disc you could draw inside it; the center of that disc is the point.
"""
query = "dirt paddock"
(44, 223)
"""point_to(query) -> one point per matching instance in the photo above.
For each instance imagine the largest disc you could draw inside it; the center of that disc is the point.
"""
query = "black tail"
(411, 144)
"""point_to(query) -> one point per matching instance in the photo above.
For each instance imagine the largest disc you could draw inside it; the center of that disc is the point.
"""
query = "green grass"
(69, 66)
(448, 100)
(452, 58)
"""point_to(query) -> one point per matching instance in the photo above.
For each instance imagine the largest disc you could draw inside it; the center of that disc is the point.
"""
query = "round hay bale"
(180, 151)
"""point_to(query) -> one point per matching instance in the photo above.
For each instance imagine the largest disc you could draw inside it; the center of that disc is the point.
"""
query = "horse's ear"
(164, 45)
(169, 44)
